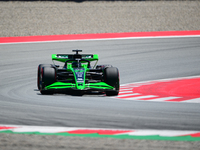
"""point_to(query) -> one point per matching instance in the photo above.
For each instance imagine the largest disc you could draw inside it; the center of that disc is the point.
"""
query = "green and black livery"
(77, 75)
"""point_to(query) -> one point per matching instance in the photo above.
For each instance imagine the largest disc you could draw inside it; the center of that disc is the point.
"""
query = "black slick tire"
(111, 77)
(48, 78)
(39, 73)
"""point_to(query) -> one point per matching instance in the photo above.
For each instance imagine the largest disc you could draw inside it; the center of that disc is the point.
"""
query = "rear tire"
(48, 78)
(111, 77)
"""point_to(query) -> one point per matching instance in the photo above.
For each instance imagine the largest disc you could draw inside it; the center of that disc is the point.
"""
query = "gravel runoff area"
(53, 18)
(52, 142)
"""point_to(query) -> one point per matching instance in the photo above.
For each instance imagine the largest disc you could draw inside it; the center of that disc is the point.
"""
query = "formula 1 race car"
(77, 75)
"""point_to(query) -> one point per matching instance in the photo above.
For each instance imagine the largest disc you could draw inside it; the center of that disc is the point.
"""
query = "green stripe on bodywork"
(60, 85)
(155, 137)
(100, 85)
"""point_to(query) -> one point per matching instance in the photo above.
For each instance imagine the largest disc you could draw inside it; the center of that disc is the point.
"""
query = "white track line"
(159, 80)
(166, 133)
(163, 99)
(140, 97)
(126, 92)
(196, 100)
(133, 94)
(100, 39)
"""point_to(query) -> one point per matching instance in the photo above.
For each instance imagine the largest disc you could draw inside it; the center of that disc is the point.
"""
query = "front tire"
(48, 78)
(111, 77)
(39, 73)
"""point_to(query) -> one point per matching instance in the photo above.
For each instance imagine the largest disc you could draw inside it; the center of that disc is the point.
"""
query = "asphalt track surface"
(137, 59)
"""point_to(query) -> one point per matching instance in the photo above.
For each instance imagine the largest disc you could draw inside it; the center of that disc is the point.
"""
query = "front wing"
(100, 86)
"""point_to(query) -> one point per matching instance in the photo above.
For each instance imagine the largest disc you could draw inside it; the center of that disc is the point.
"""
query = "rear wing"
(65, 57)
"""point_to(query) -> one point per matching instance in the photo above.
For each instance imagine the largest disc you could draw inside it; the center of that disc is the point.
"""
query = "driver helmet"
(75, 64)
